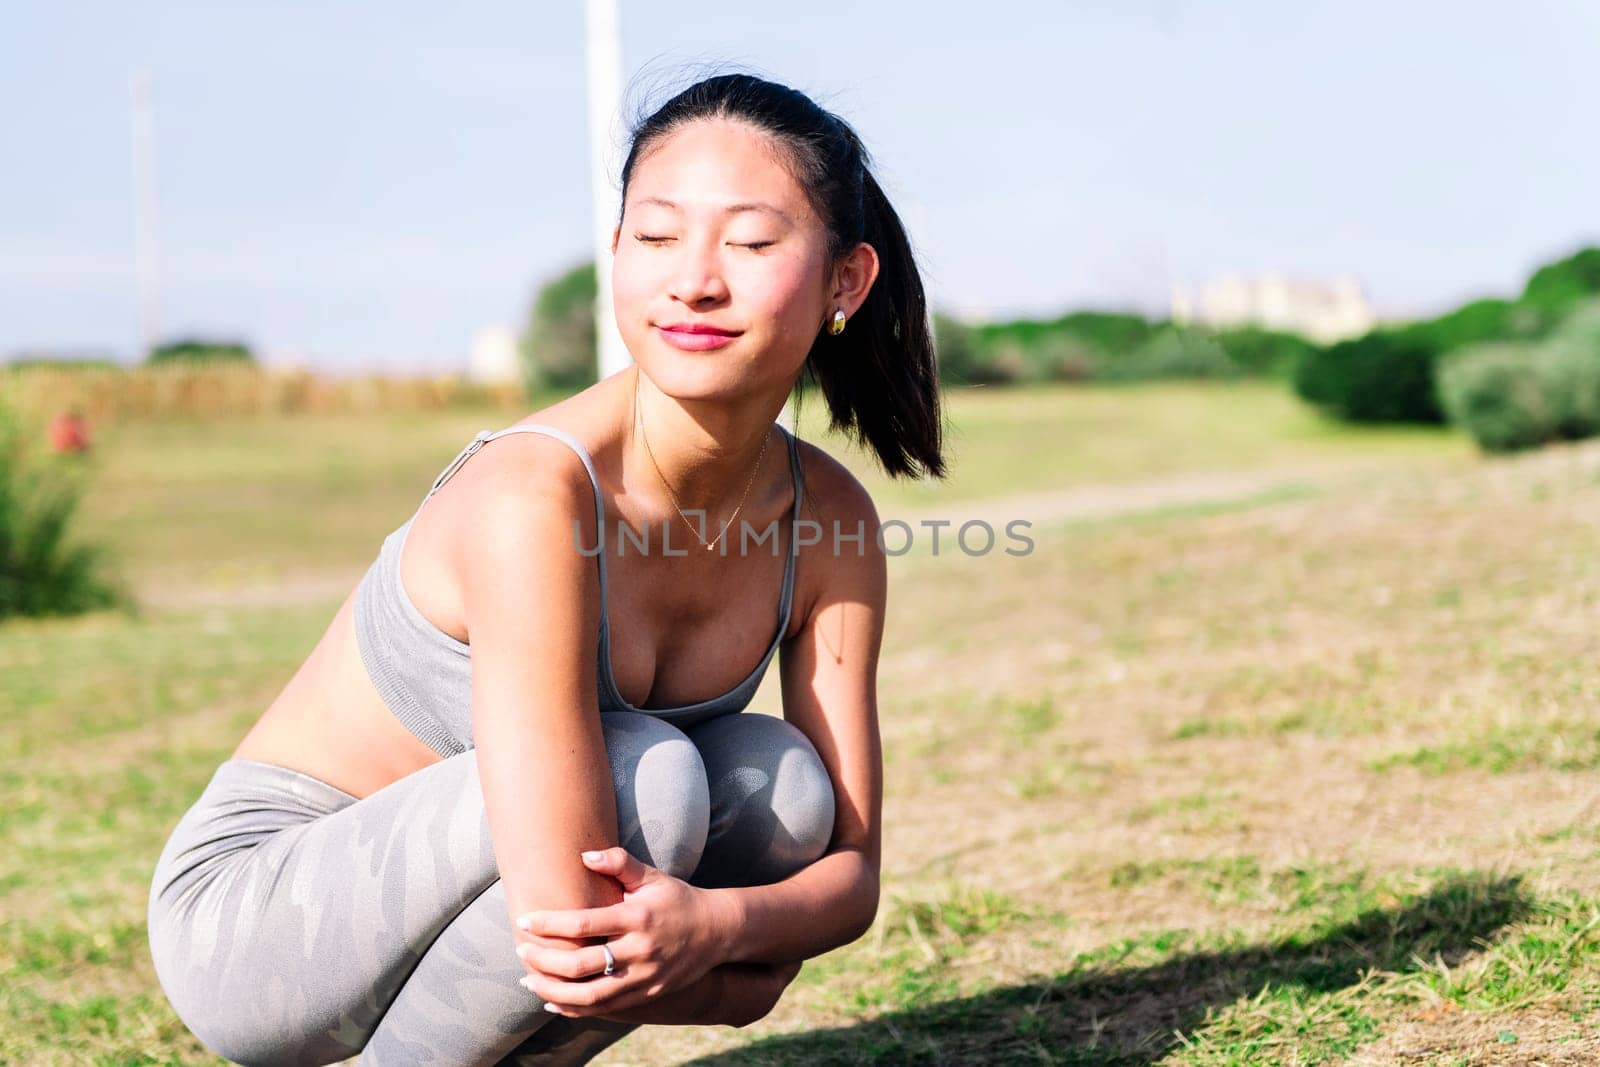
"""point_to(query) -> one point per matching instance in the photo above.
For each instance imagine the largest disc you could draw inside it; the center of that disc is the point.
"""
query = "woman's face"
(716, 233)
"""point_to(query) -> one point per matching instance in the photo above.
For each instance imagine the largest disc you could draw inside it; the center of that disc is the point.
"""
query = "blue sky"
(366, 185)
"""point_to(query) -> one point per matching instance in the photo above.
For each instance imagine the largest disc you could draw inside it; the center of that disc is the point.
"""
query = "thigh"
(285, 916)
(772, 802)
(283, 919)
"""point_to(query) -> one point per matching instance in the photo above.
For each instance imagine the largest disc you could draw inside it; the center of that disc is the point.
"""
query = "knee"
(772, 805)
(663, 800)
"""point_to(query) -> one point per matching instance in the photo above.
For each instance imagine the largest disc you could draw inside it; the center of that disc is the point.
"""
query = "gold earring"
(836, 327)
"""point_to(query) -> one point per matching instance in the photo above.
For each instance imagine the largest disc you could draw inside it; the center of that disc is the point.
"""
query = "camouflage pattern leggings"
(291, 923)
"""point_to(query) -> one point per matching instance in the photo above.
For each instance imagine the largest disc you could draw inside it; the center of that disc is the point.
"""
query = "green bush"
(1556, 288)
(1066, 357)
(961, 361)
(1073, 347)
(1477, 322)
(560, 349)
(1389, 375)
(1571, 376)
(1110, 332)
(1570, 359)
(1520, 395)
(43, 570)
(1263, 353)
(1382, 376)
(1495, 393)
(1109, 346)
(1171, 353)
(196, 350)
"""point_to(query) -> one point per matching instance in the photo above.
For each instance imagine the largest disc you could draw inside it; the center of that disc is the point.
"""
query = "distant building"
(1321, 311)
(494, 358)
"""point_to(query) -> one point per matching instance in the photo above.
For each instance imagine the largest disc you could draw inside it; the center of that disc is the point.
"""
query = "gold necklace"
(639, 421)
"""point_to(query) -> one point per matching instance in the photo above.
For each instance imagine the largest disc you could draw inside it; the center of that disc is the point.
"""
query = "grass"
(1250, 776)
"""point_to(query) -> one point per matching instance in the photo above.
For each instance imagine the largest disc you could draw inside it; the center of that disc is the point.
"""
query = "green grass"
(1003, 441)
(1281, 776)
(1350, 958)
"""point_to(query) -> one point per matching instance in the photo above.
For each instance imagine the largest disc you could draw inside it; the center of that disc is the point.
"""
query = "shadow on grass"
(1100, 1013)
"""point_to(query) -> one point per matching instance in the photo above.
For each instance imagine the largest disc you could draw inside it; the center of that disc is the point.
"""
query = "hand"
(665, 934)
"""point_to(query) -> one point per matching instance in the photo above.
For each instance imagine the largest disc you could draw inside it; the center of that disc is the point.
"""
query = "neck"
(706, 452)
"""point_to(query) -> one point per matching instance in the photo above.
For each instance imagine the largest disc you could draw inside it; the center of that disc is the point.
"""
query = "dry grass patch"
(1250, 783)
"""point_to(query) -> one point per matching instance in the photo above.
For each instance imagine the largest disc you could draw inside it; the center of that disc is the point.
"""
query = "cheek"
(631, 285)
(785, 292)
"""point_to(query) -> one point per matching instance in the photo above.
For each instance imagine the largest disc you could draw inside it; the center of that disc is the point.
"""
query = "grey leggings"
(291, 923)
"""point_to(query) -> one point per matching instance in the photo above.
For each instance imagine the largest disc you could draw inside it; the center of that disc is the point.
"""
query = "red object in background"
(69, 432)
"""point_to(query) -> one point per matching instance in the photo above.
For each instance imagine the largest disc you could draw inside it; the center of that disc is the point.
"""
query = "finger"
(570, 994)
(579, 962)
(577, 922)
(610, 1006)
(526, 982)
(620, 864)
(622, 1002)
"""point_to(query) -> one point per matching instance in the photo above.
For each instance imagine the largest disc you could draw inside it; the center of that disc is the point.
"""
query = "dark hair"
(879, 376)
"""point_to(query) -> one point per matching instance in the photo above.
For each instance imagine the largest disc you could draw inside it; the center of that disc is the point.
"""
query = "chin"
(690, 376)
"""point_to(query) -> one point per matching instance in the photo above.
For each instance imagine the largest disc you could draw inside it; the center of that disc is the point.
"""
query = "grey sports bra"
(425, 675)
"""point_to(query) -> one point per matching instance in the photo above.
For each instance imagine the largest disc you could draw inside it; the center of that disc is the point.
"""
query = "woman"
(519, 854)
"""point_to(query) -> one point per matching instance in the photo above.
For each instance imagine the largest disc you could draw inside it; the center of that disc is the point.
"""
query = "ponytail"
(880, 376)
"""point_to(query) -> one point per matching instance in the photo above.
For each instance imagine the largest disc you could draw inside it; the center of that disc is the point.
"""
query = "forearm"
(693, 1005)
(539, 822)
(818, 908)
(731, 994)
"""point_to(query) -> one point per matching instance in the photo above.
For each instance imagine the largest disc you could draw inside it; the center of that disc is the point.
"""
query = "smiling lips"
(695, 337)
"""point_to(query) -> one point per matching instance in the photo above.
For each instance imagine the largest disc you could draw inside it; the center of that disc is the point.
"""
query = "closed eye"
(655, 239)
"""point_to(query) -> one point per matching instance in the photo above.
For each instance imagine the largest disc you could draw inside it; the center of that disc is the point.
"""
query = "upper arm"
(530, 599)
(829, 668)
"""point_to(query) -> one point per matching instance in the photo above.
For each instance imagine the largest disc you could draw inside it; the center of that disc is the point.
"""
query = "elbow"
(867, 897)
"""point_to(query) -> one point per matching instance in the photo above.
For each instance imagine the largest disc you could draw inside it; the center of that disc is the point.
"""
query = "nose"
(697, 278)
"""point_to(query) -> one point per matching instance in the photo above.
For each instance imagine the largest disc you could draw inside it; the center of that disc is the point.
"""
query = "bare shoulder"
(519, 512)
(520, 479)
(840, 558)
(832, 491)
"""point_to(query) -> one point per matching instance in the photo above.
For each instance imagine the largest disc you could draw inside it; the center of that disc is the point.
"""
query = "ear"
(853, 276)
(616, 235)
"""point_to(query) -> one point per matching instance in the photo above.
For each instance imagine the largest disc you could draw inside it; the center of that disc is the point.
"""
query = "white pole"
(605, 100)
(145, 250)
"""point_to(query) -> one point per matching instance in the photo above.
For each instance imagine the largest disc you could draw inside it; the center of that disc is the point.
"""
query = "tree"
(560, 349)
(201, 350)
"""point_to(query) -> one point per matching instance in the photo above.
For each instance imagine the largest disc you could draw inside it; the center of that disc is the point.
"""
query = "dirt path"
(1122, 499)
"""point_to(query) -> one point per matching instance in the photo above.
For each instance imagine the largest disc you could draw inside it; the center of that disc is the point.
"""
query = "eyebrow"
(753, 205)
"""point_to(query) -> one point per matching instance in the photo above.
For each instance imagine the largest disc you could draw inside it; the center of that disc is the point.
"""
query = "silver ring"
(611, 961)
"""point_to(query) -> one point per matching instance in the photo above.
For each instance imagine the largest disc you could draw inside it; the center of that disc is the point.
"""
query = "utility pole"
(145, 245)
(605, 99)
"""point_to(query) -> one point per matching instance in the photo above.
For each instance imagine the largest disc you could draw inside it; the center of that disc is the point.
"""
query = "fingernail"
(526, 982)
(593, 856)
(551, 1008)
(525, 922)
(525, 950)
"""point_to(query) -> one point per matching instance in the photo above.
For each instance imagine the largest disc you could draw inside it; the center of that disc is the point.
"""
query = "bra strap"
(787, 595)
(485, 436)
